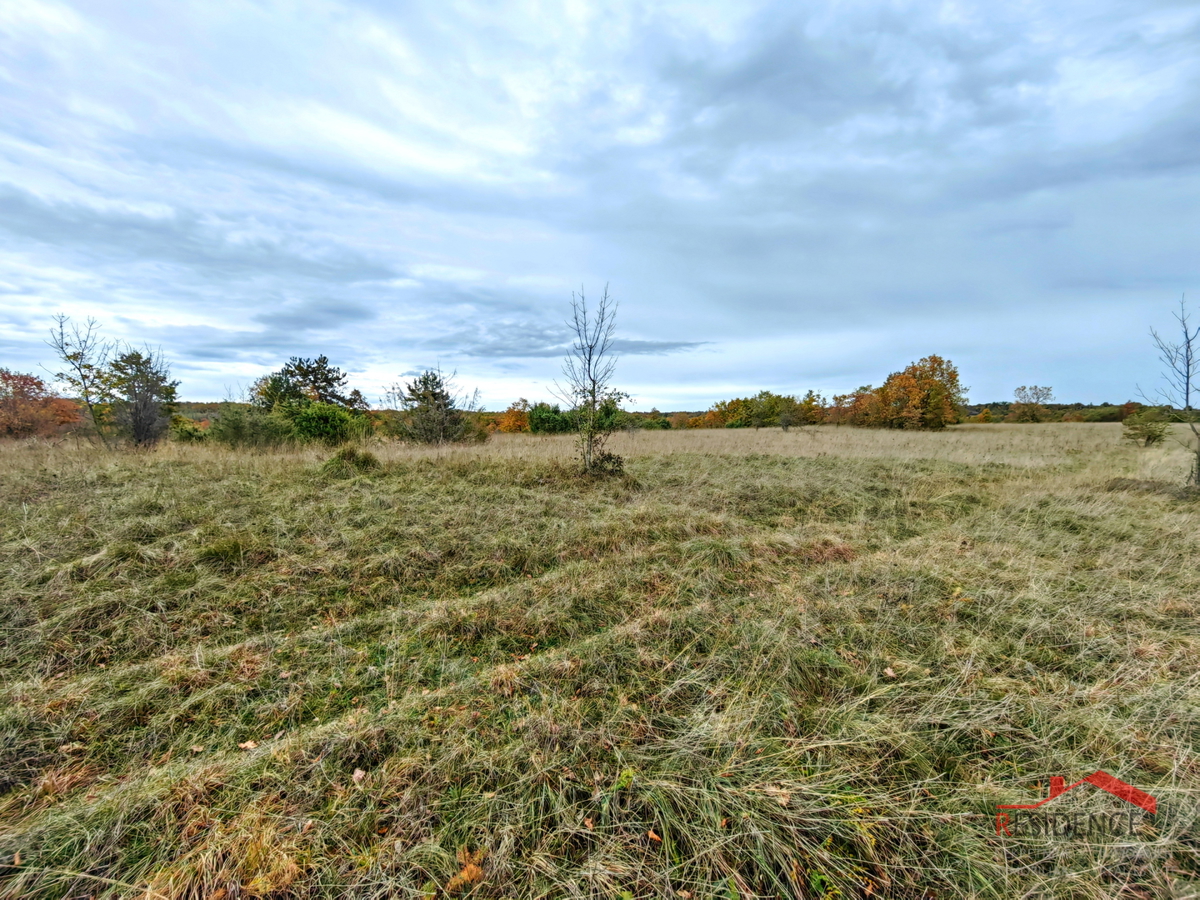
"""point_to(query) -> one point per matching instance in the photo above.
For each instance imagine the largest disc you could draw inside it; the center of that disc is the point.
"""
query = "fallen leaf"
(308, 826)
(16, 859)
(471, 871)
(889, 673)
(654, 837)
(358, 776)
(684, 894)
(196, 748)
(285, 674)
(247, 745)
(591, 826)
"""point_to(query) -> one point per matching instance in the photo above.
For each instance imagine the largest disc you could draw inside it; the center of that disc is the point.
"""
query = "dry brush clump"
(470, 673)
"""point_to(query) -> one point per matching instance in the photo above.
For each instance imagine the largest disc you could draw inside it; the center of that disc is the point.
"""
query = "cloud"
(780, 196)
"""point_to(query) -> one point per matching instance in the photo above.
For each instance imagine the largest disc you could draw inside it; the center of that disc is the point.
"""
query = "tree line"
(117, 393)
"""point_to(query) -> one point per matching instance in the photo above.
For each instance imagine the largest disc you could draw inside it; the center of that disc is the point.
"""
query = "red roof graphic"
(1102, 780)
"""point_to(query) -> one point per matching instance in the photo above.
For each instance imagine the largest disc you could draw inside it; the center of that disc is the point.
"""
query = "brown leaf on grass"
(247, 745)
(358, 776)
(196, 748)
(889, 673)
(591, 826)
(16, 859)
(654, 837)
(471, 870)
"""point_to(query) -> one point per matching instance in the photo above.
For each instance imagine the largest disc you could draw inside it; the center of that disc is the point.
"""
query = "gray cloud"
(780, 197)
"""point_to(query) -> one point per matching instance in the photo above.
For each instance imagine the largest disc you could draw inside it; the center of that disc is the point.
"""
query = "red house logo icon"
(1102, 780)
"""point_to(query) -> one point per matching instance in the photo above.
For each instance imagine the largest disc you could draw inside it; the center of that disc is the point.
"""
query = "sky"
(779, 196)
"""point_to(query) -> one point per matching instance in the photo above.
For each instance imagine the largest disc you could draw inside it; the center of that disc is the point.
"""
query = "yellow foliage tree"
(515, 419)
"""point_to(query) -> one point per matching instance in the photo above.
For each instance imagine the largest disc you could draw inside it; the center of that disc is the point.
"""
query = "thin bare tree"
(587, 377)
(85, 357)
(1181, 374)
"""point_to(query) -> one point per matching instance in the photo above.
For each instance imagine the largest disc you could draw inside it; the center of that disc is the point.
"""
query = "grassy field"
(758, 665)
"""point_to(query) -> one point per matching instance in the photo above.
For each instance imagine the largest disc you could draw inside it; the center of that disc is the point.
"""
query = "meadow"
(758, 664)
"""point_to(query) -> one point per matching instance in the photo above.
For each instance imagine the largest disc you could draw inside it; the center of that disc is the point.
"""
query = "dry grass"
(803, 665)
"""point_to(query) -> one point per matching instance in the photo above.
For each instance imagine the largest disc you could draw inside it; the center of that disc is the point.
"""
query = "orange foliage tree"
(515, 419)
(28, 408)
(927, 394)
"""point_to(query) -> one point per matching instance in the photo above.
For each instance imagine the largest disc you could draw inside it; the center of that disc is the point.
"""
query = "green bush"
(547, 419)
(323, 422)
(242, 426)
(1103, 414)
(351, 461)
(1147, 426)
(186, 431)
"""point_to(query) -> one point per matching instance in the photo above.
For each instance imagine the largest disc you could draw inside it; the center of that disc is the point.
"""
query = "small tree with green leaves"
(433, 412)
(305, 380)
(138, 387)
(1148, 426)
(84, 357)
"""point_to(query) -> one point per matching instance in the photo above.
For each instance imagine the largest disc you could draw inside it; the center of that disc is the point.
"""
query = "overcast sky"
(780, 195)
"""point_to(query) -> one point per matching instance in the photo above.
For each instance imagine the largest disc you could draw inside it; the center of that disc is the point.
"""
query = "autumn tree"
(515, 419)
(927, 395)
(1029, 404)
(810, 410)
(28, 408)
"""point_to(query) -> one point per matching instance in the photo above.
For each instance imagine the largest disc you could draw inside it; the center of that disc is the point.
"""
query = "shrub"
(323, 422)
(605, 463)
(185, 431)
(1149, 426)
(242, 426)
(547, 419)
(351, 461)
(433, 412)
